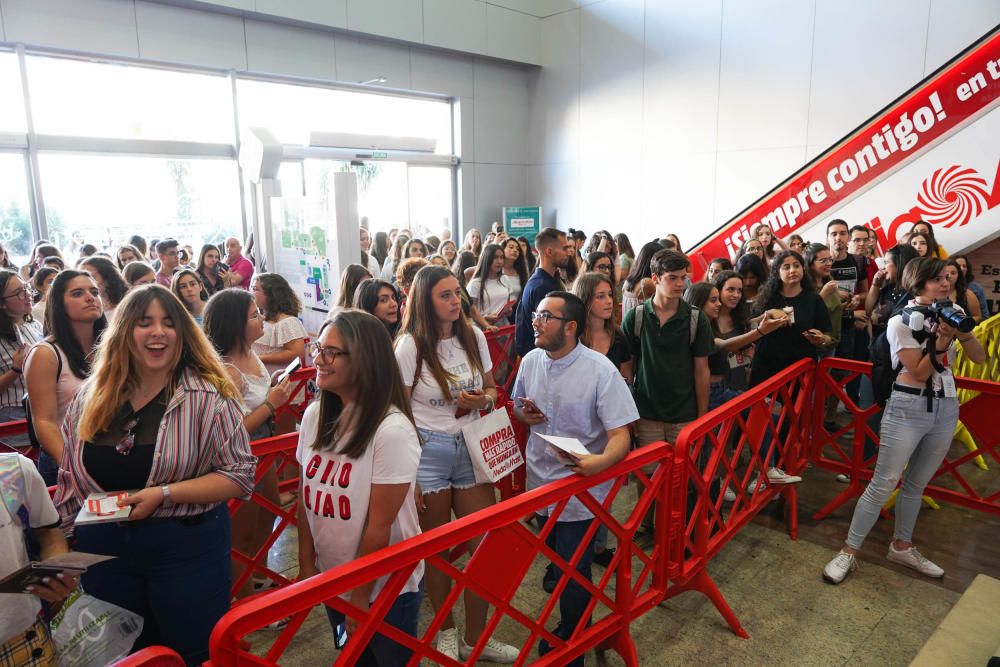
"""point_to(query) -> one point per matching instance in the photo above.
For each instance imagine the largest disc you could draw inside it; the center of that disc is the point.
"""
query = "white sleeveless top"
(254, 388)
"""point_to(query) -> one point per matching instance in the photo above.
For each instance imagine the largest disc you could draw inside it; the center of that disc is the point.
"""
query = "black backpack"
(883, 372)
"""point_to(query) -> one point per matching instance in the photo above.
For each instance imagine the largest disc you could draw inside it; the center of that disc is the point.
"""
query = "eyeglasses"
(545, 316)
(825, 260)
(604, 268)
(21, 292)
(328, 354)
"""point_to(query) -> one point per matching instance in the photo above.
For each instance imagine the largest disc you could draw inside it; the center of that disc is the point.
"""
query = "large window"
(390, 194)
(70, 97)
(12, 109)
(15, 208)
(120, 148)
(291, 112)
(110, 198)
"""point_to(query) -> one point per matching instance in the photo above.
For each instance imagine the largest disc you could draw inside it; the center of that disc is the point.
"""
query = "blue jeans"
(564, 540)
(444, 462)
(175, 573)
(47, 468)
(403, 614)
(720, 393)
(853, 345)
(914, 442)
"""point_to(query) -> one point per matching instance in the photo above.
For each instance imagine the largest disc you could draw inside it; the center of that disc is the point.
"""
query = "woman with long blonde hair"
(158, 414)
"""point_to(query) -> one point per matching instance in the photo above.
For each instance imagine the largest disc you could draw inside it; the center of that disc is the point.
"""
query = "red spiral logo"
(952, 196)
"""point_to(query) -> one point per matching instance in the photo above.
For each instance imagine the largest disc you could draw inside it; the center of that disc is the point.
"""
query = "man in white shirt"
(24, 636)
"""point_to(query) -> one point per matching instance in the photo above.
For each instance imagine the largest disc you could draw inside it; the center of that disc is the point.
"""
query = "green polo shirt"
(664, 370)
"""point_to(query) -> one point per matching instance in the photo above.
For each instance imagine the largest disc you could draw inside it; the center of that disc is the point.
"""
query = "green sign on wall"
(523, 221)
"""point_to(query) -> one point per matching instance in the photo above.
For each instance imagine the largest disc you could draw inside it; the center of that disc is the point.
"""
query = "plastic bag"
(93, 633)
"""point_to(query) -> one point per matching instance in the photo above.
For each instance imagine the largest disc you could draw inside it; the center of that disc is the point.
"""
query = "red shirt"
(244, 267)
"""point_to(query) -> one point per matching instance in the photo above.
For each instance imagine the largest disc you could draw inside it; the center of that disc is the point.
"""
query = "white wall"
(493, 95)
(657, 116)
(505, 29)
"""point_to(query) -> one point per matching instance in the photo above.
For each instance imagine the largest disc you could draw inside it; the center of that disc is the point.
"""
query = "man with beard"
(553, 251)
(564, 388)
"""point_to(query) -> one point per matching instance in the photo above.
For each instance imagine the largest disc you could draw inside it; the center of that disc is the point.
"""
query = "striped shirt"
(201, 433)
(31, 333)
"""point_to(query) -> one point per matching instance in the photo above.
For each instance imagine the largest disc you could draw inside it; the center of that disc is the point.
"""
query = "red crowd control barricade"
(505, 359)
(955, 482)
(497, 569)
(303, 390)
(154, 656)
(732, 447)
(13, 429)
(277, 453)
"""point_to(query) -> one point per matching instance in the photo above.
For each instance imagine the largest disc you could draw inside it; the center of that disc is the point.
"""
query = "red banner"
(941, 104)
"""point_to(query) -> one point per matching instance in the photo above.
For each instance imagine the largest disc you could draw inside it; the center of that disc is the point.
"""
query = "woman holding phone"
(215, 275)
(447, 374)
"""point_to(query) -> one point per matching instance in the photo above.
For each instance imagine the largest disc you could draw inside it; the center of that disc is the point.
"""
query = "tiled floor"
(881, 615)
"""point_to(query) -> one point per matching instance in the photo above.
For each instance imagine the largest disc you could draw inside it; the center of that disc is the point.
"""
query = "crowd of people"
(149, 369)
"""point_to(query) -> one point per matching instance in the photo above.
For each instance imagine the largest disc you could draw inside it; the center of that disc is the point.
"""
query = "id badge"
(948, 384)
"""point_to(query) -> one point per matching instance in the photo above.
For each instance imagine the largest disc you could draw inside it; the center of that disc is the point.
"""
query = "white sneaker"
(914, 559)
(838, 568)
(729, 495)
(494, 651)
(779, 476)
(447, 642)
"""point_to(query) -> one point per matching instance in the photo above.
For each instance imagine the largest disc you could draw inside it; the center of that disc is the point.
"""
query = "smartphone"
(461, 412)
(222, 266)
(295, 364)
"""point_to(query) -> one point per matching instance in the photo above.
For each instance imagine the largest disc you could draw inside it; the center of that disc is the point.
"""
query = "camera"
(919, 318)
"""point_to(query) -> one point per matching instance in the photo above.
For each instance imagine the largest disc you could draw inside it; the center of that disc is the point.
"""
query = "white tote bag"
(492, 447)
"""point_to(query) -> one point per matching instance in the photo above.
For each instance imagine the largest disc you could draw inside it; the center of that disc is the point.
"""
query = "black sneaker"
(550, 579)
(603, 558)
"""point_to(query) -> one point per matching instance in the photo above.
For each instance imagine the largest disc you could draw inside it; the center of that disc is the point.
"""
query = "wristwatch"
(167, 502)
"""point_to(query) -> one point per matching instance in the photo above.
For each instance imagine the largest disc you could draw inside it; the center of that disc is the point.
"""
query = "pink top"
(67, 384)
(244, 267)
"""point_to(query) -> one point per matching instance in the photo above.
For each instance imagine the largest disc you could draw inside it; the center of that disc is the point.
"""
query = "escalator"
(932, 154)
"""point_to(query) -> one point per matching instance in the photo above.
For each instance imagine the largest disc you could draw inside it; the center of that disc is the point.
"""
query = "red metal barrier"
(277, 453)
(505, 359)
(634, 583)
(302, 393)
(707, 460)
(953, 483)
(13, 429)
(154, 656)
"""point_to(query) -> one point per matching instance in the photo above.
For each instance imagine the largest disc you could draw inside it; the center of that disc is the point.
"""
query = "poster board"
(523, 221)
(304, 237)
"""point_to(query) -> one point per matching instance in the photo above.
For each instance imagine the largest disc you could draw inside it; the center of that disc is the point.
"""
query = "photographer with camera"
(919, 420)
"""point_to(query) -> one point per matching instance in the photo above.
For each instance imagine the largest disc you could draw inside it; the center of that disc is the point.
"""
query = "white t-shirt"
(495, 296)
(275, 335)
(336, 491)
(18, 611)
(430, 410)
(900, 337)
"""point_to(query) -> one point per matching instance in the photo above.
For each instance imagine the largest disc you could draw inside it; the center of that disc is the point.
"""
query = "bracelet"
(491, 404)
(762, 334)
(17, 371)
(270, 406)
